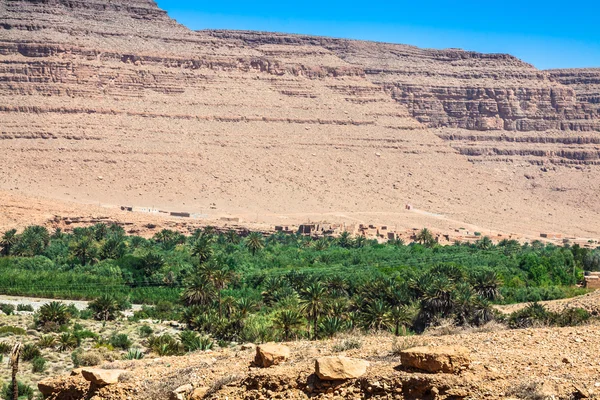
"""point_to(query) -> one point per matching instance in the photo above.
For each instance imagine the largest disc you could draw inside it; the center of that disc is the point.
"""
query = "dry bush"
(221, 382)
(407, 342)
(349, 342)
(529, 391)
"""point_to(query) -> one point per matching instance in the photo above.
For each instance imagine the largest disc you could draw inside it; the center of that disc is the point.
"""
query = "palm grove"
(285, 286)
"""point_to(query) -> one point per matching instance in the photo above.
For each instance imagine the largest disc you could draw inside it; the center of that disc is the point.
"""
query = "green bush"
(145, 331)
(120, 341)
(5, 348)
(192, 341)
(165, 345)
(134, 354)
(30, 352)
(7, 309)
(46, 341)
(25, 391)
(25, 307)
(53, 313)
(533, 315)
(67, 341)
(38, 365)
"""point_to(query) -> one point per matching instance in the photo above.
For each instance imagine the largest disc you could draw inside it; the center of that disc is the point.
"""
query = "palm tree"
(289, 321)
(9, 239)
(255, 242)
(401, 316)
(425, 238)
(487, 284)
(202, 248)
(376, 316)
(32, 242)
(331, 325)
(220, 280)
(152, 262)
(199, 291)
(53, 312)
(84, 250)
(245, 305)
(232, 237)
(313, 299)
(105, 308)
(485, 243)
(345, 240)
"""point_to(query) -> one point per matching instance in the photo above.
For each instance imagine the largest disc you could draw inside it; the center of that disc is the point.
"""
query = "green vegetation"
(279, 287)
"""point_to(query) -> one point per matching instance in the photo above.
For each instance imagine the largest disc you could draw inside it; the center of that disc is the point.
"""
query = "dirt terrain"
(115, 104)
(531, 363)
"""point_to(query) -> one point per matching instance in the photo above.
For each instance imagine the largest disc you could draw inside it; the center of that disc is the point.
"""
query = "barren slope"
(115, 103)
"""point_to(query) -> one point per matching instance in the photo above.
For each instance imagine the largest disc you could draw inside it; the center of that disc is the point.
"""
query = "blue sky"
(547, 34)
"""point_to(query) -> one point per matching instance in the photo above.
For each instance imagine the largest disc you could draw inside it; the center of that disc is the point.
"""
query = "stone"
(248, 346)
(199, 393)
(271, 354)
(181, 392)
(48, 386)
(340, 368)
(101, 377)
(446, 359)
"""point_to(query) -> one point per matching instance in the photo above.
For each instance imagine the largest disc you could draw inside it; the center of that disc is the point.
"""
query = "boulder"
(49, 386)
(199, 393)
(447, 359)
(340, 368)
(271, 354)
(181, 392)
(101, 377)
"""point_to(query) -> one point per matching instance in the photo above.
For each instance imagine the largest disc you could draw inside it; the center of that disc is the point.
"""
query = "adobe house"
(592, 280)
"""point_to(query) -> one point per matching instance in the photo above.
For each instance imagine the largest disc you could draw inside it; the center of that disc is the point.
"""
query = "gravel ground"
(36, 303)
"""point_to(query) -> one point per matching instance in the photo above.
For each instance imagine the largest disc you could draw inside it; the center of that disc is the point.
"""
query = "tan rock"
(49, 386)
(181, 392)
(199, 393)
(448, 359)
(101, 377)
(340, 368)
(271, 354)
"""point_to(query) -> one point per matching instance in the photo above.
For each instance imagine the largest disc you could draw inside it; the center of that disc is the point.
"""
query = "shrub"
(571, 317)
(5, 348)
(30, 352)
(533, 315)
(84, 334)
(46, 341)
(105, 308)
(349, 343)
(120, 341)
(82, 358)
(134, 354)
(191, 341)
(86, 314)
(12, 330)
(25, 391)
(25, 307)
(165, 345)
(53, 312)
(38, 365)
(7, 309)
(145, 331)
(67, 341)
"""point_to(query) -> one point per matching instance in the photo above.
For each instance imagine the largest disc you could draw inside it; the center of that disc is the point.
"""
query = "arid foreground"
(530, 363)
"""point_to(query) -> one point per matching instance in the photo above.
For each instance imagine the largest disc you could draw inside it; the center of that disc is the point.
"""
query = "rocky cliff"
(114, 102)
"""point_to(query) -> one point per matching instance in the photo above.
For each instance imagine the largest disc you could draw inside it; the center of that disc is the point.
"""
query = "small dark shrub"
(120, 341)
(533, 315)
(5, 348)
(146, 331)
(30, 352)
(25, 391)
(46, 341)
(82, 358)
(38, 365)
(25, 307)
(67, 341)
(7, 309)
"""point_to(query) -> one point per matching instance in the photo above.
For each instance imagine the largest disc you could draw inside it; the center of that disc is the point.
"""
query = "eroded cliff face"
(454, 88)
(114, 102)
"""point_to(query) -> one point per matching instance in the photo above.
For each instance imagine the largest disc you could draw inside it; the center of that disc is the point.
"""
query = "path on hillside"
(36, 303)
(589, 301)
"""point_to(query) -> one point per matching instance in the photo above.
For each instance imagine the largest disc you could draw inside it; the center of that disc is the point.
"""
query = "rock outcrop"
(446, 359)
(270, 354)
(339, 368)
(101, 377)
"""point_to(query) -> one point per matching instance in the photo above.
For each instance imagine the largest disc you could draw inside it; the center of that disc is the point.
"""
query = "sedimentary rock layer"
(114, 102)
